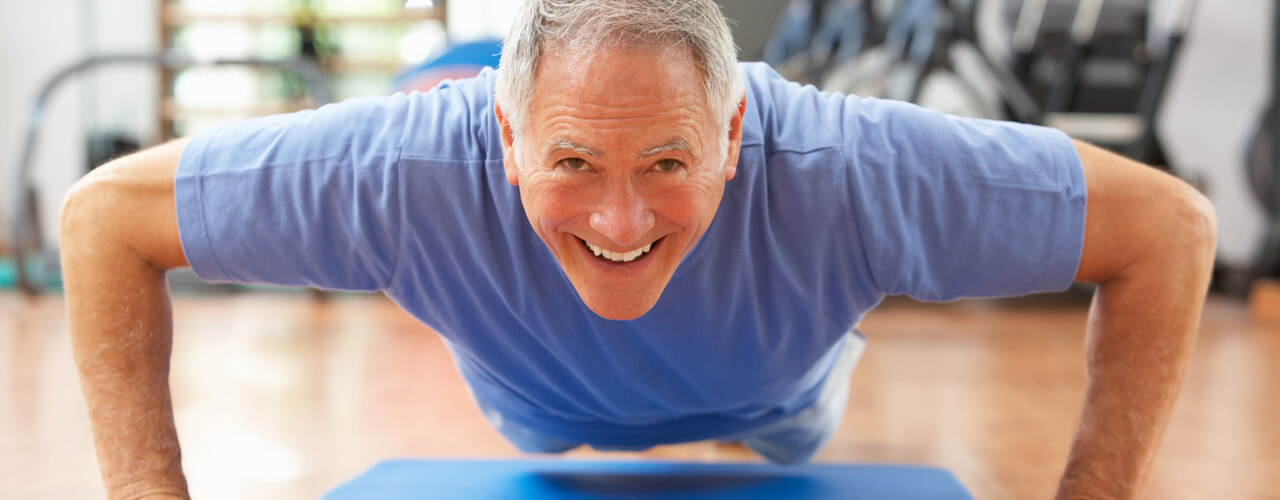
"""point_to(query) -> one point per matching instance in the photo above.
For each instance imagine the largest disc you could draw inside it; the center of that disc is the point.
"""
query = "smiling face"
(621, 169)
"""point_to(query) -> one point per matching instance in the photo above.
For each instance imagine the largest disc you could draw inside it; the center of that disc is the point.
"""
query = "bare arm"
(1149, 244)
(119, 235)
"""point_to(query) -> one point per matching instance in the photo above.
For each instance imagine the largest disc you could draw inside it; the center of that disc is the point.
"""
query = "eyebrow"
(569, 144)
(675, 144)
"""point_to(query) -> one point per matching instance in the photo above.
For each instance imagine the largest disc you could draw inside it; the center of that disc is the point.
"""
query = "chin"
(620, 310)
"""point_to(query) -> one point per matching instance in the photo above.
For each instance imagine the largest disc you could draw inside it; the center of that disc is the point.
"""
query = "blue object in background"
(457, 62)
(793, 33)
(574, 480)
(8, 274)
(48, 276)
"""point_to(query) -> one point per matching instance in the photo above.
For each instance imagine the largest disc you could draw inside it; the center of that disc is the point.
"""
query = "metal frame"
(25, 215)
(1267, 264)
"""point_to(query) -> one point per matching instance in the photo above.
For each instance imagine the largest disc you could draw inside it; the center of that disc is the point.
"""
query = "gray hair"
(583, 25)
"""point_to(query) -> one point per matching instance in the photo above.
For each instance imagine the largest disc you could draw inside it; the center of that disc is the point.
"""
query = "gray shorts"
(791, 440)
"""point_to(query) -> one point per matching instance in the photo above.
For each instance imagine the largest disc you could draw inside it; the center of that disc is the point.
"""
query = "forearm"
(1141, 330)
(121, 329)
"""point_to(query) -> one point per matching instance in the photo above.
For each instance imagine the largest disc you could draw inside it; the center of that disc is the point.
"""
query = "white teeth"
(618, 256)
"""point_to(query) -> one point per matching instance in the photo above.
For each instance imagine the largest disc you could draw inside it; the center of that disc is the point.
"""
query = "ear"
(735, 140)
(508, 147)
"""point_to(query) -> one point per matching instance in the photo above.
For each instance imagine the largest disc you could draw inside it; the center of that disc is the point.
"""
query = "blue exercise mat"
(571, 480)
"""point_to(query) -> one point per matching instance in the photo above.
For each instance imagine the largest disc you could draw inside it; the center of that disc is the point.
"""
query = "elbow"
(72, 214)
(88, 211)
(76, 214)
(1203, 219)
(76, 231)
(1192, 226)
(124, 210)
(1173, 240)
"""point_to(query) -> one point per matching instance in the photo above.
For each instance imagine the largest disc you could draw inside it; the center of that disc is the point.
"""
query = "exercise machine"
(1262, 168)
(25, 223)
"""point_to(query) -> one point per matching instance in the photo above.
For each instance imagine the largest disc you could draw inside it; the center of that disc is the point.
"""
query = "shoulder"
(453, 121)
(783, 115)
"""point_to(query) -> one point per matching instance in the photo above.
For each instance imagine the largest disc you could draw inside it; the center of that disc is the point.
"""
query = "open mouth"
(620, 257)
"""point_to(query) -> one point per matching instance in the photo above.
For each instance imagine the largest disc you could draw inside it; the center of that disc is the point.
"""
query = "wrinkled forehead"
(636, 90)
(585, 49)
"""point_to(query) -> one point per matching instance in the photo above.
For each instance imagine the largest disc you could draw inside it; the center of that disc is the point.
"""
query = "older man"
(626, 239)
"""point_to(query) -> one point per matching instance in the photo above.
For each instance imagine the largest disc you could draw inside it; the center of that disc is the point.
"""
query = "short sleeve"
(304, 199)
(948, 207)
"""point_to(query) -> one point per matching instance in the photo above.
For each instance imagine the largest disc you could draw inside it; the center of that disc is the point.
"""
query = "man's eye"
(574, 164)
(666, 165)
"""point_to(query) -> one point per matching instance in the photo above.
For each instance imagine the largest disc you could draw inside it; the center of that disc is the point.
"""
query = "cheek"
(549, 203)
(690, 205)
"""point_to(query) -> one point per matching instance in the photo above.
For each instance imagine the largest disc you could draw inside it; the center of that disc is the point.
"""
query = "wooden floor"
(282, 397)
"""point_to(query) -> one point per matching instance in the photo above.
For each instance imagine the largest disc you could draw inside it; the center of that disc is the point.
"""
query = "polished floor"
(279, 396)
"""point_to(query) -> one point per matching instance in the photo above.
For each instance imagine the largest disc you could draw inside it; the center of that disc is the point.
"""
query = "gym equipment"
(1074, 49)
(1099, 69)
(886, 70)
(931, 54)
(1022, 43)
(1167, 29)
(1262, 166)
(843, 27)
(458, 61)
(842, 32)
(569, 480)
(1083, 27)
(990, 84)
(793, 33)
(813, 35)
(1259, 167)
(1094, 68)
(25, 207)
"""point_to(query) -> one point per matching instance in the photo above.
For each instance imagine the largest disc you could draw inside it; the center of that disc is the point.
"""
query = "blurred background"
(1169, 82)
(280, 394)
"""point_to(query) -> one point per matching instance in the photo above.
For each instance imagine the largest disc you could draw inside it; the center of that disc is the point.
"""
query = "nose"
(622, 216)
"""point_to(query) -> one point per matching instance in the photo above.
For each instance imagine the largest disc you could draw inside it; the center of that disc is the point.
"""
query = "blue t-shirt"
(837, 202)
